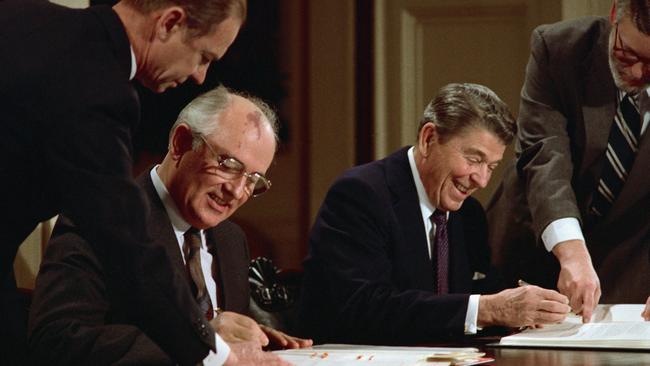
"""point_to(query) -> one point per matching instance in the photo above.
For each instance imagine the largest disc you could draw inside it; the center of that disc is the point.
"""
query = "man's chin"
(158, 87)
(163, 87)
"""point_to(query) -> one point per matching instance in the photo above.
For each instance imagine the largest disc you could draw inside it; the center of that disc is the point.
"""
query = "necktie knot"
(439, 217)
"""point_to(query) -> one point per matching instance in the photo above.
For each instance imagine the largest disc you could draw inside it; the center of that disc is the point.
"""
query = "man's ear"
(170, 20)
(181, 141)
(428, 135)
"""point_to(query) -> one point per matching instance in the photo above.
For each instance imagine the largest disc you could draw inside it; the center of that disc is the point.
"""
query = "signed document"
(617, 326)
(344, 354)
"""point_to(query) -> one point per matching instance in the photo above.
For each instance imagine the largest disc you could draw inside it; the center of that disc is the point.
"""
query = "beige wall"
(577, 8)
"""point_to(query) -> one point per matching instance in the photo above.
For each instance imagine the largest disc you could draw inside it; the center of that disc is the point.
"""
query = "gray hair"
(637, 10)
(203, 113)
(458, 107)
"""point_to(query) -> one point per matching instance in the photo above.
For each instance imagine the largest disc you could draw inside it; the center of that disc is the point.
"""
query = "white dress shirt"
(427, 210)
(568, 228)
(180, 227)
(134, 66)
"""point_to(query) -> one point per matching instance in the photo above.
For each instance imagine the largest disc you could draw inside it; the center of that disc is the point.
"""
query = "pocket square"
(478, 276)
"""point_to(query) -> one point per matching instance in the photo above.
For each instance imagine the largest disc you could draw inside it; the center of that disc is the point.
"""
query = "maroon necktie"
(440, 257)
(192, 251)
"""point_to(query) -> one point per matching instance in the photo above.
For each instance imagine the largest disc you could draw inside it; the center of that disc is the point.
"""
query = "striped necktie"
(192, 251)
(440, 257)
(621, 150)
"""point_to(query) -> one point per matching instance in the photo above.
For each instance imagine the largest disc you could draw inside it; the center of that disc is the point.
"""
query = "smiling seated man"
(398, 253)
(219, 150)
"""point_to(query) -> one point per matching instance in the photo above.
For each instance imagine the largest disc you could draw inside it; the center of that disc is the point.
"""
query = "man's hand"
(233, 327)
(522, 306)
(251, 354)
(646, 312)
(280, 339)
(578, 279)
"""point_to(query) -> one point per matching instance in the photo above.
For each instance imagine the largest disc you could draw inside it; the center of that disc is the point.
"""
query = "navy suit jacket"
(78, 317)
(368, 276)
(68, 115)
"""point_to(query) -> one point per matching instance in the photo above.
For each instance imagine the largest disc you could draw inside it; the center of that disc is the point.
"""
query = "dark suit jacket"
(68, 114)
(567, 108)
(368, 276)
(80, 318)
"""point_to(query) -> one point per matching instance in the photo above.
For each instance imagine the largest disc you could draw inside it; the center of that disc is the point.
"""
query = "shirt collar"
(425, 205)
(134, 68)
(178, 223)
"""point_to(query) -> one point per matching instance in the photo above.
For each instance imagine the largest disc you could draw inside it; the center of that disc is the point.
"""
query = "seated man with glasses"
(572, 210)
(219, 150)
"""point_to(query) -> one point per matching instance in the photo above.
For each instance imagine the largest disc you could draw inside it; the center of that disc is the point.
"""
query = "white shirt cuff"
(219, 358)
(561, 230)
(472, 315)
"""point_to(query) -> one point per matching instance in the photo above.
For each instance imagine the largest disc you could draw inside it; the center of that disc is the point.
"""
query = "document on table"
(355, 355)
(613, 326)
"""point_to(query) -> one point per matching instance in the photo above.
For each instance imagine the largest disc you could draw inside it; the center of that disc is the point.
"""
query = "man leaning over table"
(573, 210)
(398, 252)
(219, 150)
(68, 115)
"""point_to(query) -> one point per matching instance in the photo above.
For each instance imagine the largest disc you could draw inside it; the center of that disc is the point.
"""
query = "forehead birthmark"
(254, 121)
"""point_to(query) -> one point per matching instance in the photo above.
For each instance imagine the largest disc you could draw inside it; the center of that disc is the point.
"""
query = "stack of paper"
(612, 326)
(343, 354)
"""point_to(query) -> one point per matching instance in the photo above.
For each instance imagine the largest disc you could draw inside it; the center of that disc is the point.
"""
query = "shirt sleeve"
(219, 358)
(472, 315)
(560, 230)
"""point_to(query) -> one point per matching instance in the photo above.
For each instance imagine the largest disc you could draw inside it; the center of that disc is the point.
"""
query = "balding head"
(216, 134)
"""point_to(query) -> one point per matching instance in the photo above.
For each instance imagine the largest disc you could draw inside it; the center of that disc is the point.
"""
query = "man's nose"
(482, 176)
(237, 187)
(639, 70)
(200, 73)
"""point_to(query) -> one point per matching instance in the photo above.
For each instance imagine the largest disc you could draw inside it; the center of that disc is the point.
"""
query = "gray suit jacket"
(80, 317)
(567, 108)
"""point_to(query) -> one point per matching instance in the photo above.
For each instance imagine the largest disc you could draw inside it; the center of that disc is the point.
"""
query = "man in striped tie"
(579, 187)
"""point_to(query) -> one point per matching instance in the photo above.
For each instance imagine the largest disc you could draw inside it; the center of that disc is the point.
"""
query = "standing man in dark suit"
(379, 270)
(579, 187)
(219, 149)
(68, 114)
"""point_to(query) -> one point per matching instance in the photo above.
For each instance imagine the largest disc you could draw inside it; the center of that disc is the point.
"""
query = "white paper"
(355, 355)
(616, 326)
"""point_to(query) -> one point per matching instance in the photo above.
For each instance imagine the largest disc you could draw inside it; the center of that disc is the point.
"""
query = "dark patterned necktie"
(622, 146)
(192, 251)
(440, 257)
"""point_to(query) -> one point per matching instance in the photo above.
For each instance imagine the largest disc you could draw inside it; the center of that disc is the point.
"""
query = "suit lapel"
(458, 259)
(598, 105)
(220, 266)
(160, 228)
(407, 210)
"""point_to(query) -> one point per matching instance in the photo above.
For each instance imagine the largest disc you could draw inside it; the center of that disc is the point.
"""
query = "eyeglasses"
(626, 56)
(232, 169)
